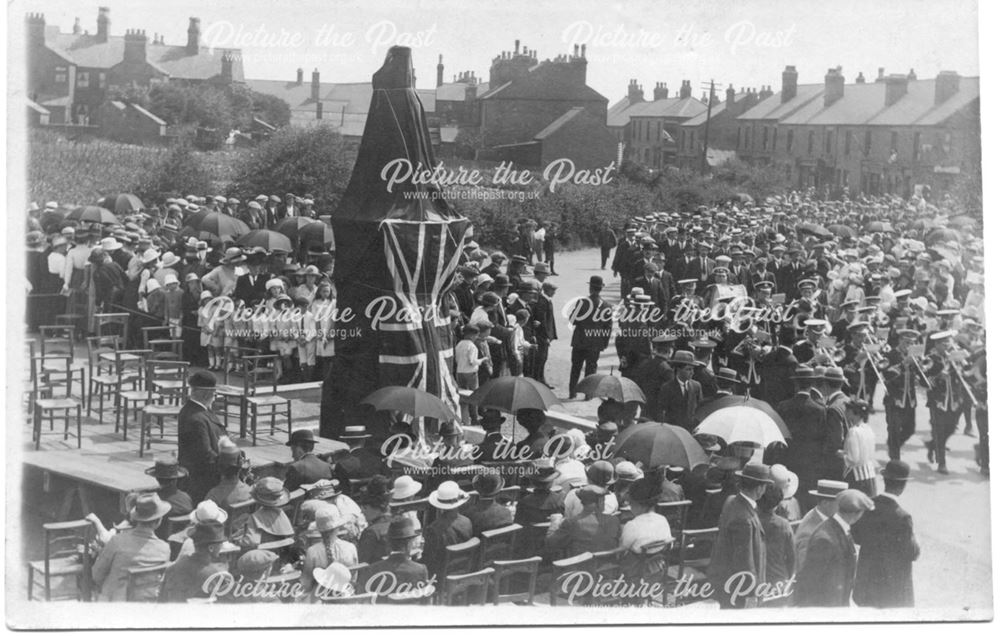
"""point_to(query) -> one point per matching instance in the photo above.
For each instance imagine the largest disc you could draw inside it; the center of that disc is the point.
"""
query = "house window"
(847, 143)
(894, 141)
(61, 75)
(789, 138)
(83, 80)
(809, 143)
(774, 139)
(868, 142)
(916, 146)
(645, 153)
(829, 142)
(102, 80)
(764, 132)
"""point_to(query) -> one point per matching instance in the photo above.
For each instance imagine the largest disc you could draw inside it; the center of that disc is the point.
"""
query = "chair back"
(508, 495)
(277, 545)
(97, 345)
(117, 322)
(607, 563)
(498, 544)
(231, 356)
(54, 375)
(514, 581)
(238, 514)
(172, 371)
(69, 539)
(696, 548)
(259, 371)
(461, 557)
(676, 513)
(130, 365)
(143, 585)
(420, 506)
(468, 589)
(161, 341)
(56, 340)
(561, 569)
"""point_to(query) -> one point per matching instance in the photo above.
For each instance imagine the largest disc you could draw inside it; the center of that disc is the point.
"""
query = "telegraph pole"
(708, 121)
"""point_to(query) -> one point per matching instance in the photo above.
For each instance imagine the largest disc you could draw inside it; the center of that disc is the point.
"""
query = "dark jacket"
(674, 408)
(251, 294)
(885, 561)
(595, 532)
(307, 469)
(373, 543)
(487, 514)
(827, 575)
(198, 436)
(441, 534)
(537, 506)
(592, 324)
(805, 419)
(407, 574)
(739, 546)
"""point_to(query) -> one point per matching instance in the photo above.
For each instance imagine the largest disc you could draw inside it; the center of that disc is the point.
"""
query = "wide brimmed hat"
(322, 489)
(273, 521)
(148, 507)
(167, 468)
(329, 518)
(448, 496)
(233, 255)
(785, 479)
(209, 533)
(834, 374)
(627, 471)
(270, 492)
(725, 374)
(828, 488)
(229, 453)
(334, 577)
(488, 484)
(169, 260)
(405, 487)
(402, 527)
(208, 512)
(758, 473)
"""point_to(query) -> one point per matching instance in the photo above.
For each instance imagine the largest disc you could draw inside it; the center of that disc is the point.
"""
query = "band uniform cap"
(300, 436)
(813, 323)
(848, 304)
(834, 374)
(687, 281)
(858, 324)
(942, 335)
(517, 258)
(202, 379)
(902, 293)
(828, 488)
(851, 501)
(896, 470)
(764, 284)
(908, 333)
(756, 472)
(806, 281)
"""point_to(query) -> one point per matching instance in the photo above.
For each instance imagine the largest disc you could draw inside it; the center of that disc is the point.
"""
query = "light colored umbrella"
(742, 424)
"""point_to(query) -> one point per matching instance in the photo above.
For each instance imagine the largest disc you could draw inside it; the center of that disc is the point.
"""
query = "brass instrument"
(962, 381)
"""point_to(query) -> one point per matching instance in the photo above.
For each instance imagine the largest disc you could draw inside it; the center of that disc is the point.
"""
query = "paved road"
(951, 513)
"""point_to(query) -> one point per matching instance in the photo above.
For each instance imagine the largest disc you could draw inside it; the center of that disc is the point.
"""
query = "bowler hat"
(402, 528)
(758, 473)
(488, 484)
(201, 379)
(601, 473)
(166, 467)
(896, 470)
(301, 436)
(597, 281)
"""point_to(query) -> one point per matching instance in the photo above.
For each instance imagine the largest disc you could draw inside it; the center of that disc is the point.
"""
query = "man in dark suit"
(835, 424)
(888, 546)
(701, 268)
(487, 513)
(826, 579)
(685, 262)
(361, 461)
(652, 285)
(592, 320)
(397, 572)
(543, 315)
(759, 273)
(805, 418)
(655, 371)
(739, 547)
(306, 467)
(679, 398)
(627, 255)
(776, 368)
(198, 435)
(251, 287)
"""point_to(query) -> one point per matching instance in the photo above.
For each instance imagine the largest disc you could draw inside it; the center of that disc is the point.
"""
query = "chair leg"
(79, 429)
(289, 417)
(253, 424)
(274, 412)
(142, 433)
(90, 403)
(31, 583)
(65, 419)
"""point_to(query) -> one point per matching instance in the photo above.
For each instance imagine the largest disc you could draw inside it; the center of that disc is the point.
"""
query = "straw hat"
(448, 496)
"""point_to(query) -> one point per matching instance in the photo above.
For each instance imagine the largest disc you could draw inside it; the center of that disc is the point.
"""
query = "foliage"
(271, 109)
(314, 160)
(179, 172)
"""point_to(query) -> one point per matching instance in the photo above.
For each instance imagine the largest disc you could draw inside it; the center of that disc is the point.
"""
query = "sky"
(738, 42)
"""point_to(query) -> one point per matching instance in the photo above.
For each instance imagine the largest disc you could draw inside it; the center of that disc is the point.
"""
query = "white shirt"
(753, 504)
(843, 524)
(859, 452)
(644, 529)
(57, 265)
(572, 506)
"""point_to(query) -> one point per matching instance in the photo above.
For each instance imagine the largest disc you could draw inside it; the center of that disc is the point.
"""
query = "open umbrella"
(412, 401)
(224, 226)
(292, 227)
(317, 234)
(93, 214)
(742, 424)
(511, 394)
(843, 231)
(51, 221)
(941, 235)
(656, 444)
(879, 226)
(268, 239)
(615, 387)
(742, 401)
(815, 229)
(194, 218)
(124, 203)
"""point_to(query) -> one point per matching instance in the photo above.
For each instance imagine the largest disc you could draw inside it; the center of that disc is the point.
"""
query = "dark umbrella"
(409, 400)
(93, 214)
(842, 231)
(292, 227)
(316, 233)
(655, 444)
(194, 218)
(614, 387)
(268, 239)
(815, 229)
(51, 221)
(223, 226)
(122, 203)
(739, 400)
(511, 394)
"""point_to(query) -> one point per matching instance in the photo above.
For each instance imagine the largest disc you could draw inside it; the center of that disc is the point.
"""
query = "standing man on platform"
(198, 435)
(592, 322)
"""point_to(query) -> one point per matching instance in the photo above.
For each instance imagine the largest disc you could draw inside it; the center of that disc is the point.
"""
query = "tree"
(181, 170)
(300, 160)
(271, 109)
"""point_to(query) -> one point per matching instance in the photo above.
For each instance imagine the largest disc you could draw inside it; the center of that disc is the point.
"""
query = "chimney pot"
(103, 23)
(517, 46)
(298, 76)
(194, 36)
(946, 84)
(789, 83)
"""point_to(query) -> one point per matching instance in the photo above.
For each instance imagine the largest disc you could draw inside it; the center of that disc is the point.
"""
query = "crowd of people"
(808, 305)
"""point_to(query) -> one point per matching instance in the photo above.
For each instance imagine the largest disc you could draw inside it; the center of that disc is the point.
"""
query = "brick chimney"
(35, 23)
(789, 83)
(881, 74)
(135, 46)
(730, 97)
(860, 79)
(77, 29)
(834, 86)
(945, 85)
(635, 92)
(440, 70)
(912, 75)
(298, 76)
(895, 88)
(319, 110)
(227, 67)
(103, 23)
(685, 89)
(660, 91)
(767, 92)
(314, 95)
(194, 36)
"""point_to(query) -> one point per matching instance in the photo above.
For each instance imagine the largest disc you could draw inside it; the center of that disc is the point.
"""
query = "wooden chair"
(118, 322)
(59, 403)
(295, 499)
(67, 557)
(238, 513)
(255, 368)
(696, 551)
(498, 544)
(468, 589)
(421, 506)
(653, 566)
(56, 340)
(521, 575)
(130, 364)
(143, 585)
(74, 321)
(508, 495)
(608, 563)
(102, 377)
(160, 340)
(533, 539)
(166, 381)
(561, 569)
(676, 513)
(461, 558)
